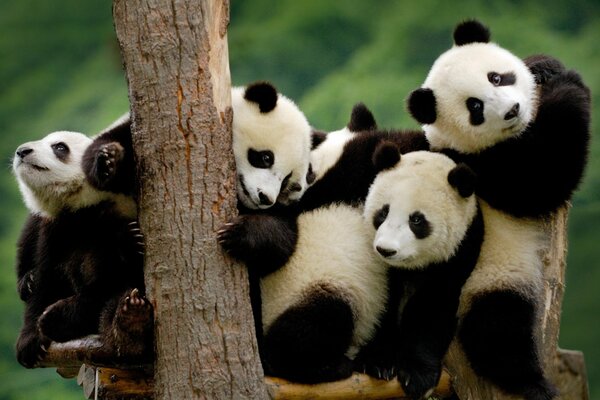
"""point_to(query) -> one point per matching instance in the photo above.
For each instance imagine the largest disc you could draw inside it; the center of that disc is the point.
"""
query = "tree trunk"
(177, 67)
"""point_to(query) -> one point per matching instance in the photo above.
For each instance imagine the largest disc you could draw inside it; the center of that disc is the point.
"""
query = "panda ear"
(362, 119)
(385, 156)
(316, 138)
(463, 179)
(422, 105)
(471, 31)
(262, 93)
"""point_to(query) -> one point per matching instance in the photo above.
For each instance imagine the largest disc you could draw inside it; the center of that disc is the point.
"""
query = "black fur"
(422, 105)
(543, 67)
(521, 175)
(361, 119)
(108, 162)
(496, 336)
(308, 341)
(385, 156)
(317, 137)
(79, 260)
(471, 31)
(262, 93)
(463, 179)
(419, 334)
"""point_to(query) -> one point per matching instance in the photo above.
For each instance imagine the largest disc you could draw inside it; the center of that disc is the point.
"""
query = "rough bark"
(176, 61)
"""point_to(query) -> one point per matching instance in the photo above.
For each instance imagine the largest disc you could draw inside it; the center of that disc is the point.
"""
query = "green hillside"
(60, 69)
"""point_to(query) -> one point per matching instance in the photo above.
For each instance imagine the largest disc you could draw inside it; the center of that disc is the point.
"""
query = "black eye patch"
(475, 107)
(419, 225)
(61, 151)
(285, 181)
(380, 216)
(261, 159)
(506, 79)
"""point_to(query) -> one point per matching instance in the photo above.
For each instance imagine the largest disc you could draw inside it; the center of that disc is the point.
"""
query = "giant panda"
(428, 228)
(523, 127)
(77, 260)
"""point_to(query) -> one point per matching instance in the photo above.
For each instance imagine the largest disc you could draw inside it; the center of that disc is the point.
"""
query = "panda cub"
(75, 243)
(510, 121)
(429, 230)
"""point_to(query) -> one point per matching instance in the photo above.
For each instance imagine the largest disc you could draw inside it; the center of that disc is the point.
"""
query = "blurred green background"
(60, 69)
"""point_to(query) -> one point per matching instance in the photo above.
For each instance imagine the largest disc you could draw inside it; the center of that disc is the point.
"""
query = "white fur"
(284, 131)
(50, 185)
(460, 73)
(419, 183)
(334, 247)
(327, 154)
(509, 258)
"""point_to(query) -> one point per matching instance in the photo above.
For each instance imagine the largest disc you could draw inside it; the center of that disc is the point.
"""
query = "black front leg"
(263, 242)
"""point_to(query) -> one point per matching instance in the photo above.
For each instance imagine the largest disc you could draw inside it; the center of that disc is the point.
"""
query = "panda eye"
(495, 78)
(61, 150)
(381, 215)
(419, 225)
(261, 159)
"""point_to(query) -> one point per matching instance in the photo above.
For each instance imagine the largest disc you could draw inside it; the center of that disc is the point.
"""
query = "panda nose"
(385, 252)
(264, 199)
(23, 151)
(513, 112)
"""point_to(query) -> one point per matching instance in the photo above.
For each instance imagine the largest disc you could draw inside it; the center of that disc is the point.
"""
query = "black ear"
(316, 138)
(421, 105)
(471, 31)
(385, 156)
(262, 93)
(362, 119)
(463, 179)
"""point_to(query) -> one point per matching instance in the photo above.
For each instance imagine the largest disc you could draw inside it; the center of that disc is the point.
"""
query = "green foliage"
(60, 69)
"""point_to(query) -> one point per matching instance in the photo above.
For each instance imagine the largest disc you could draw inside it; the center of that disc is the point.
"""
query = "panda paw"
(31, 349)
(134, 312)
(25, 286)
(53, 322)
(419, 381)
(377, 364)
(137, 236)
(543, 67)
(108, 157)
(233, 238)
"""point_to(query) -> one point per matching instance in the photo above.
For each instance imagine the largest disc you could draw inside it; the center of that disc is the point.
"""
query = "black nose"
(513, 112)
(385, 252)
(264, 199)
(23, 151)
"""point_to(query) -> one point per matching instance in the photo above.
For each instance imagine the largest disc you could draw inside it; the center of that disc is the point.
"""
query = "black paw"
(25, 286)
(31, 349)
(137, 236)
(419, 381)
(134, 312)
(543, 67)
(234, 239)
(379, 365)
(107, 159)
(542, 390)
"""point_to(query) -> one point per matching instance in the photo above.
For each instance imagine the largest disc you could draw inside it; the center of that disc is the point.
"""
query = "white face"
(272, 152)
(49, 171)
(419, 218)
(484, 94)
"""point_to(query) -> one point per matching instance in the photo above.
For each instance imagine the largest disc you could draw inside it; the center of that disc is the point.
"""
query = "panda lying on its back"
(76, 251)
(527, 143)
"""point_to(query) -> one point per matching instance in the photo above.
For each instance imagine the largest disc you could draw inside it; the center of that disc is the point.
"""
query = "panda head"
(475, 95)
(50, 174)
(421, 207)
(271, 144)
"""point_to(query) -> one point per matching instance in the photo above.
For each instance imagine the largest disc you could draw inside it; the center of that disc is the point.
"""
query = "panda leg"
(31, 346)
(308, 342)
(497, 335)
(70, 318)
